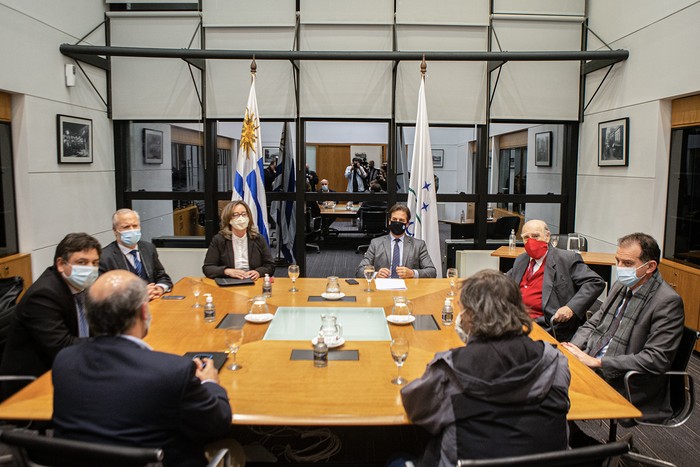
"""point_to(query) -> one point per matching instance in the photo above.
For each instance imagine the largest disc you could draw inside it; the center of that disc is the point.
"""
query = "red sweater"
(531, 289)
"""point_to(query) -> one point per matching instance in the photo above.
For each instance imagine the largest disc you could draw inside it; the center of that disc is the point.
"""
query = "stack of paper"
(390, 284)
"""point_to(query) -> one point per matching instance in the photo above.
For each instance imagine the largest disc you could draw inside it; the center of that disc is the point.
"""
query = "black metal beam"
(90, 59)
(595, 65)
(550, 56)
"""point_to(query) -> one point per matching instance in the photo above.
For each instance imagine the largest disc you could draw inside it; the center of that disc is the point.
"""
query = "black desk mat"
(333, 355)
(232, 321)
(425, 323)
(318, 298)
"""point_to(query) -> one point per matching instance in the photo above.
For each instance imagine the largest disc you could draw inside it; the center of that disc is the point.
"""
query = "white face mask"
(460, 332)
(240, 223)
(82, 277)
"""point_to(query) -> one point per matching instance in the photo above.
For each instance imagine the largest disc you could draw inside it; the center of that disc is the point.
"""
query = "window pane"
(8, 228)
(164, 219)
(528, 159)
(454, 158)
(334, 145)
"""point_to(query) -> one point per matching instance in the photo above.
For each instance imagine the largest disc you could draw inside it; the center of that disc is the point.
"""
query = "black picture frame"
(74, 139)
(613, 143)
(543, 149)
(152, 146)
(438, 158)
(270, 154)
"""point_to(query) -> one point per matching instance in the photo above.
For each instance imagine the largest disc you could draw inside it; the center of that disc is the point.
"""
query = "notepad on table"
(390, 284)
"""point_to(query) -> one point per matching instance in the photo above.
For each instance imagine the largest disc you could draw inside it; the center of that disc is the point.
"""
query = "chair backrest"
(586, 456)
(53, 452)
(373, 221)
(10, 288)
(505, 224)
(680, 363)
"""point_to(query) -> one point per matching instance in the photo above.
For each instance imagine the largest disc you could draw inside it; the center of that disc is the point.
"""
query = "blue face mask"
(130, 237)
(82, 277)
(628, 276)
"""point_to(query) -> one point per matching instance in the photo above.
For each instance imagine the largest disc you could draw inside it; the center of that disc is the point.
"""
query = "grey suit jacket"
(113, 258)
(567, 281)
(651, 348)
(415, 256)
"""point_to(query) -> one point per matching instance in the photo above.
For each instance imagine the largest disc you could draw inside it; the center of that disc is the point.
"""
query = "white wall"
(662, 39)
(54, 199)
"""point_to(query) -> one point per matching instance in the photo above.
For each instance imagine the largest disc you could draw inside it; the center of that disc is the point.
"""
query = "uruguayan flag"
(248, 182)
(284, 212)
(422, 200)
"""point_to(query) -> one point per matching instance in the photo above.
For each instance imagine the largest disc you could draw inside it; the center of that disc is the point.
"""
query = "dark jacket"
(493, 398)
(45, 322)
(109, 390)
(567, 281)
(653, 338)
(113, 258)
(220, 256)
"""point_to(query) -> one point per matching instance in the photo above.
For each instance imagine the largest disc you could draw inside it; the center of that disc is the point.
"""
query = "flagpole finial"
(423, 66)
(253, 66)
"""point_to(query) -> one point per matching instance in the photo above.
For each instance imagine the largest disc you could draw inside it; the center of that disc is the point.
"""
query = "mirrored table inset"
(302, 323)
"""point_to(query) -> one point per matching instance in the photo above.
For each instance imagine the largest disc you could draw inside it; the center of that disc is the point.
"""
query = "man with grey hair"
(557, 286)
(129, 252)
(115, 389)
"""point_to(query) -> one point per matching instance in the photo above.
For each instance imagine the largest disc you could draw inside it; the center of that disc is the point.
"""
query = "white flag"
(283, 212)
(248, 183)
(421, 187)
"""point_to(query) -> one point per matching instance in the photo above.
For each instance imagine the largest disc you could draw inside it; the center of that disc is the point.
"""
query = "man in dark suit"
(50, 316)
(114, 389)
(638, 327)
(398, 255)
(557, 286)
(129, 252)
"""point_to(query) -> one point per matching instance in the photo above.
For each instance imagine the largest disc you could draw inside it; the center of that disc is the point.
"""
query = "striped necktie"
(614, 325)
(83, 326)
(138, 266)
(395, 259)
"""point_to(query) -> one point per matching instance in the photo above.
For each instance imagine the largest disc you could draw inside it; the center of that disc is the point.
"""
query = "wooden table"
(601, 263)
(272, 390)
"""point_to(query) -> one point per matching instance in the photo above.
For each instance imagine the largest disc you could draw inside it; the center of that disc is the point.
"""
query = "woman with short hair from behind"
(501, 394)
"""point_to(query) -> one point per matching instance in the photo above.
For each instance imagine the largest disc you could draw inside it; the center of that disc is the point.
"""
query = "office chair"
(503, 226)
(372, 224)
(312, 232)
(563, 243)
(588, 456)
(10, 288)
(30, 449)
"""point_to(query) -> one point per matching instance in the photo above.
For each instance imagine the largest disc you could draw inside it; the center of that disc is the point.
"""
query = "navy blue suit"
(110, 390)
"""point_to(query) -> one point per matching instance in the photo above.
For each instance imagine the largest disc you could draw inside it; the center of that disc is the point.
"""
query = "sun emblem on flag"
(248, 133)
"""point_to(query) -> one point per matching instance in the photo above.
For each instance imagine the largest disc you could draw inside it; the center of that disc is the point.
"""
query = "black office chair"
(372, 224)
(588, 456)
(503, 226)
(10, 288)
(312, 232)
(30, 449)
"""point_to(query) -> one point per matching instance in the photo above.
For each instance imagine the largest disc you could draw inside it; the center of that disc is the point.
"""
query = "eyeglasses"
(236, 215)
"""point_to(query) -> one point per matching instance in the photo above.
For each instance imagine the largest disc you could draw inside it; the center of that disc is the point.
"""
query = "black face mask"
(397, 228)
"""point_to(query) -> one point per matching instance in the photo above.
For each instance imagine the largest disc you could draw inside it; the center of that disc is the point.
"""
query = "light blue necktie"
(395, 259)
(83, 326)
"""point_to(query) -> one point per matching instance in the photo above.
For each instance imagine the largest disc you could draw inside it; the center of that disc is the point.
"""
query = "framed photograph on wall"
(152, 146)
(74, 140)
(543, 149)
(613, 139)
(438, 158)
(270, 154)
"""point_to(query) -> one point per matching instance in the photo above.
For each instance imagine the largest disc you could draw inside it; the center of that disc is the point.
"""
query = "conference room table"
(272, 389)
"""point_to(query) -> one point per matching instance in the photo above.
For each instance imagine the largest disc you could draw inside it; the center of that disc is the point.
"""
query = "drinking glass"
(293, 271)
(369, 275)
(554, 240)
(196, 291)
(452, 274)
(234, 339)
(399, 352)
(332, 286)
